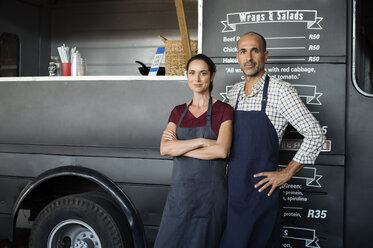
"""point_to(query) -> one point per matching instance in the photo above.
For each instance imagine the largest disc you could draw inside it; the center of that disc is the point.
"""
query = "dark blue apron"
(252, 215)
(196, 208)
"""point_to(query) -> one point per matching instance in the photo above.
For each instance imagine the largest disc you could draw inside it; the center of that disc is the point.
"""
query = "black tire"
(74, 220)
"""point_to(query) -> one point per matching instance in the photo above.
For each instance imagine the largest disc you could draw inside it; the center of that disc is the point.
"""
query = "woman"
(199, 136)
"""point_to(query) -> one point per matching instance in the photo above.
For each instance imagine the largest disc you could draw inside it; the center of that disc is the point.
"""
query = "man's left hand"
(277, 178)
(272, 178)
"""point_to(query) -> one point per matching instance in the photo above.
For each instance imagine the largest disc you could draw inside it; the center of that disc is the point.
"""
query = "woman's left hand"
(169, 135)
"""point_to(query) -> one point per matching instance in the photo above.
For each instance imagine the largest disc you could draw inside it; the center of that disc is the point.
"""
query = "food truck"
(79, 155)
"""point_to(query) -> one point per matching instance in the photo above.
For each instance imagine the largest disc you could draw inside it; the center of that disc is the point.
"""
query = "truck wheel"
(85, 220)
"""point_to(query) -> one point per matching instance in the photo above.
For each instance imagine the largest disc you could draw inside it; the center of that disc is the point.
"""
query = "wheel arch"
(88, 179)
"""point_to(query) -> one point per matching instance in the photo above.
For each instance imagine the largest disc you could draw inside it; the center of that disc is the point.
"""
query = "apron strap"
(208, 116)
(238, 97)
(184, 113)
(265, 94)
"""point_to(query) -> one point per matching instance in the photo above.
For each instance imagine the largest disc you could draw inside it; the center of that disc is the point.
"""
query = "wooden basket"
(174, 56)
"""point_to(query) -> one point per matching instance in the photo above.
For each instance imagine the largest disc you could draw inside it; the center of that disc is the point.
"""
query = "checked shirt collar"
(258, 87)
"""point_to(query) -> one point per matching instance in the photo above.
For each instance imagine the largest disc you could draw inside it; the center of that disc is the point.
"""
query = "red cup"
(66, 69)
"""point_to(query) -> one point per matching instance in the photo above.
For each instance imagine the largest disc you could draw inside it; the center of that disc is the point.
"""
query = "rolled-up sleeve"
(297, 114)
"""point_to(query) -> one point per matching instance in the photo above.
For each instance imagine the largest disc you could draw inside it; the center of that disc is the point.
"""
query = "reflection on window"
(364, 45)
(9, 55)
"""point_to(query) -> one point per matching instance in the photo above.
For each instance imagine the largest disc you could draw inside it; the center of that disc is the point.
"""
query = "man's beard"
(253, 72)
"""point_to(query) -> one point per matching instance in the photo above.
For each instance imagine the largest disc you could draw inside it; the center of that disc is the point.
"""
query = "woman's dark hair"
(210, 64)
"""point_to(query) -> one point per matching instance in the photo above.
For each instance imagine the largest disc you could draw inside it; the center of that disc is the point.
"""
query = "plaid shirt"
(283, 107)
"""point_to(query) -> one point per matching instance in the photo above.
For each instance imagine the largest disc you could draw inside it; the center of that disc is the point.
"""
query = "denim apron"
(252, 216)
(195, 212)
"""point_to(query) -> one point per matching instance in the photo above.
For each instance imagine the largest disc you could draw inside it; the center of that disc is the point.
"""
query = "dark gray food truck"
(79, 156)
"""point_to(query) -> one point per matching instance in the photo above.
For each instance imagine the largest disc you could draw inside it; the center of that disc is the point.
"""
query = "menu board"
(306, 41)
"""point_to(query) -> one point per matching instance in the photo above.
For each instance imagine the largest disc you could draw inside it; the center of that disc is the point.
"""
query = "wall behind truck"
(112, 35)
(30, 22)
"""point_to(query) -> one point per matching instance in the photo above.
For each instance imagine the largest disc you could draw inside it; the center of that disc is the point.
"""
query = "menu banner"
(272, 16)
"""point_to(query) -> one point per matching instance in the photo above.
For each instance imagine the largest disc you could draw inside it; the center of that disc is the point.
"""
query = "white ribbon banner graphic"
(309, 174)
(308, 235)
(272, 16)
(309, 93)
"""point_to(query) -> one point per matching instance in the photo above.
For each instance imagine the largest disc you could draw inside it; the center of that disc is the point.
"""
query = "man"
(263, 108)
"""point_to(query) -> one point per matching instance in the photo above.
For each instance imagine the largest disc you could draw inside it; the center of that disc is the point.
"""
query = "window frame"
(353, 65)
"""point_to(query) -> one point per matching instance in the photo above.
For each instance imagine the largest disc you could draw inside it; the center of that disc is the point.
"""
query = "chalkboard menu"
(306, 41)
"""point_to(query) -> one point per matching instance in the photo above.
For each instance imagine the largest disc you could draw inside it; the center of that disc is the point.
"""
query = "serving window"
(9, 55)
(110, 35)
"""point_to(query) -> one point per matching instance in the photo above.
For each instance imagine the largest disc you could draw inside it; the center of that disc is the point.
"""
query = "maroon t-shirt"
(220, 112)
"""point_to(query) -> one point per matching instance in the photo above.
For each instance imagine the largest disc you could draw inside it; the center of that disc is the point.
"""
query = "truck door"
(359, 134)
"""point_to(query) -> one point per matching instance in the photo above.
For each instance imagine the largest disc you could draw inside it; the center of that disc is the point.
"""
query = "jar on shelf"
(55, 68)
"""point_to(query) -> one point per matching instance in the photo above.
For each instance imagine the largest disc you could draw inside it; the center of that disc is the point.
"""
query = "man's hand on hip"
(275, 179)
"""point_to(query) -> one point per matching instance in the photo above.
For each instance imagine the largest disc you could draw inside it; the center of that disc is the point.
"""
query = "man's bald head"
(264, 42)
